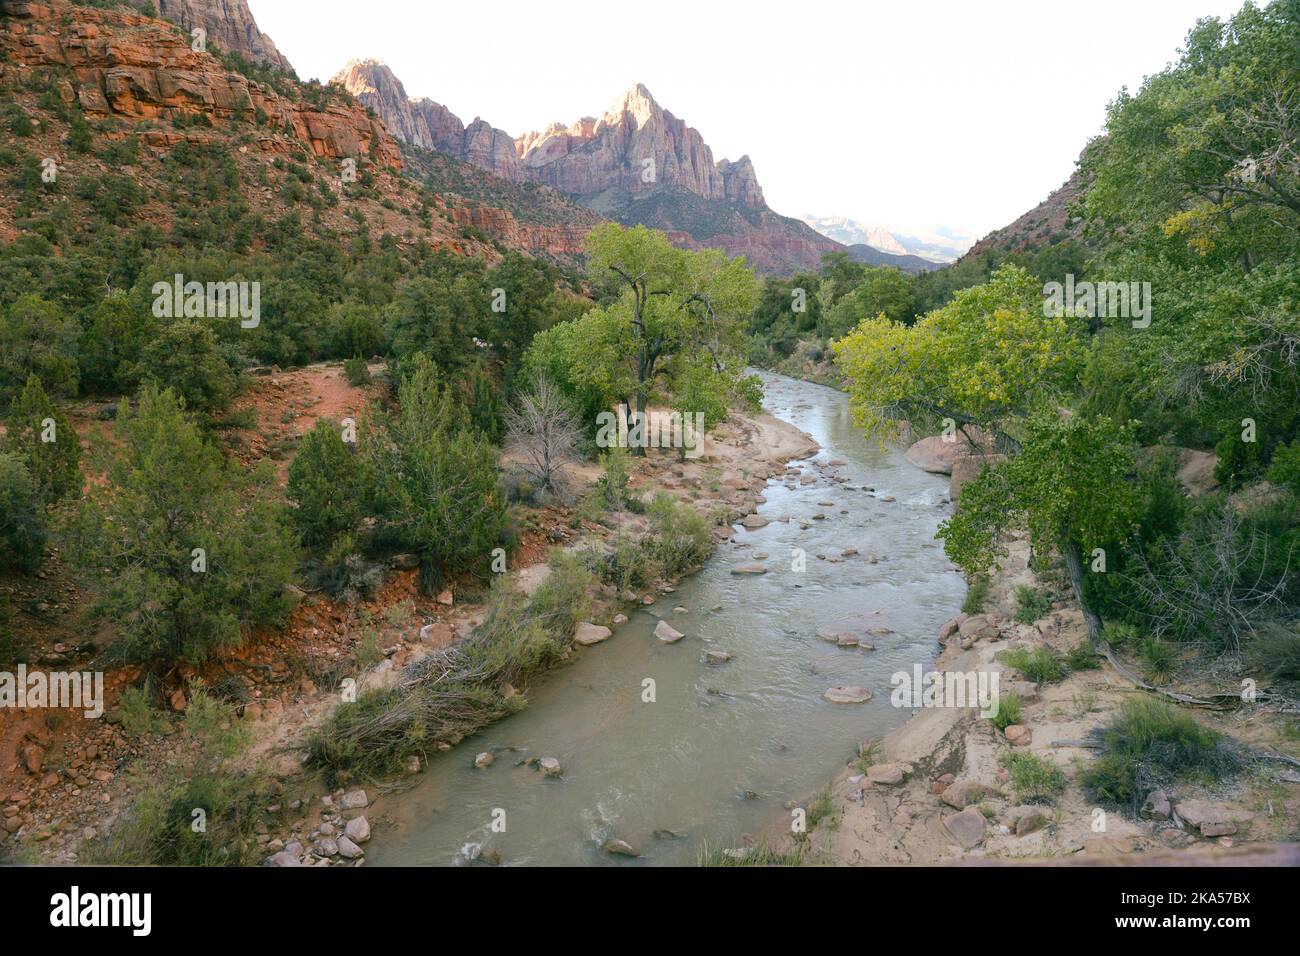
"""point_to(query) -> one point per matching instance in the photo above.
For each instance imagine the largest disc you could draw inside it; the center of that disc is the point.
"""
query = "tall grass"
(1150, 744)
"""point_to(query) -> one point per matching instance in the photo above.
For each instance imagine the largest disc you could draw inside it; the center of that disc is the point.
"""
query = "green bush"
(1275, 652)
(46, 439)
(1031, 605)
(434, 479)
(679, 540)
(1039, 664)
(1119, 633)
(1159, 658)
(611, 488)
(17, 120)
(111, 347)
(1284, 469)
(1033, 779)
(357, 371)
(161, 830)
(37, 338)
(1081, 657)
(327, 483)
(1008, 711)
(977, 596)
(186, 359)
(1151, 744)
(189, 548)
(455, 692)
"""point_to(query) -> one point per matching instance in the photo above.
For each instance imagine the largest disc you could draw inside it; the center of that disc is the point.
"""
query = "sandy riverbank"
(901, 803)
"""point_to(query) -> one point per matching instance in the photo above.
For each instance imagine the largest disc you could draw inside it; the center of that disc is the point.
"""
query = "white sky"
(919, 112)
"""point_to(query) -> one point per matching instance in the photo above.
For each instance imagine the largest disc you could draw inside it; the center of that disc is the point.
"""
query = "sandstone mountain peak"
(637, 102)
(229, 25)
(636, 162)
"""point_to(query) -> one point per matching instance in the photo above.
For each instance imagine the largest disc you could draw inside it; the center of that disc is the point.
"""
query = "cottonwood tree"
(542, 431)
(1209, 148)
(1070, 485)
(666, 302)
(991, 359)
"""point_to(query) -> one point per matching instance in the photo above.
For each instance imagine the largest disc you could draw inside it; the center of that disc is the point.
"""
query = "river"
(721, 748)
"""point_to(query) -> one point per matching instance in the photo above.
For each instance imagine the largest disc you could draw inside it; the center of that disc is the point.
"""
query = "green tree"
(190, 549)
(22, 524)
(440, 316)
(1207, 149)
(1071, 485)
(882, 291)
(327, 483)
(987, 358)
(44, 437)
(992, 359)
(671, 303)
(354, 330)
(37, 338)
(186, 359)
(119, 333)
(434, 478)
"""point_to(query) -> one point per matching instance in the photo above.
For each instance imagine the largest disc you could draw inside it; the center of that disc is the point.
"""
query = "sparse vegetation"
(162, 828)
(1031, 604)
(1033, 778)
(977, 595)
(1008, 711)
(1040, 664)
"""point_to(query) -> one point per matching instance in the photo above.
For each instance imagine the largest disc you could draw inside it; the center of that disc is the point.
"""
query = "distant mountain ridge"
(940, 245)
(636, 163)
(861, 252)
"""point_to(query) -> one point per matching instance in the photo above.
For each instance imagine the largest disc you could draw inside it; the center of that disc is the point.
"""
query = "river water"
(722, 748)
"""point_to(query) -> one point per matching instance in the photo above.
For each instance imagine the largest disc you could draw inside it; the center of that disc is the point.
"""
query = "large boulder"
(1025, 819)
(354, 800)
(889, 774)
(968, 828)
(358, 830)
(588, 634)
(1211, 819)
(963, 793)
(979, 627)
(938, 453)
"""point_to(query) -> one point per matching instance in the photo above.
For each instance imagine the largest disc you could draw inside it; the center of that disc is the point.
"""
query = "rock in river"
(619, 848)
(588, 634)
(847, 695)
(667, 633)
